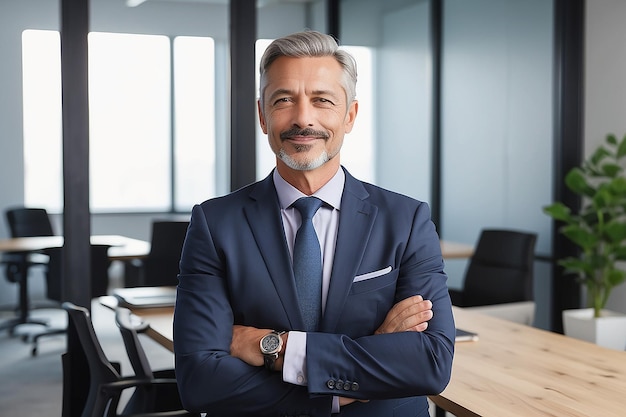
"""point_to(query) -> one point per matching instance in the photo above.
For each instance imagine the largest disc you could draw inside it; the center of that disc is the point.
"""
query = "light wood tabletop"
(455, 250)
(122, 247)
(517, 370)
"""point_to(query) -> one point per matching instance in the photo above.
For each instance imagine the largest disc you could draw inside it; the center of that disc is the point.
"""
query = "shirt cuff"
(294, 364)
(336, 407)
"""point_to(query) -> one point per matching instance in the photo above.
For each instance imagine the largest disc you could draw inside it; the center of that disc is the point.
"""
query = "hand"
(343, 401)
(411, 314)
(245, 344)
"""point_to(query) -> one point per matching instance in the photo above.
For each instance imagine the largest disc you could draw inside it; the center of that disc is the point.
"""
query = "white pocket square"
(373, 274)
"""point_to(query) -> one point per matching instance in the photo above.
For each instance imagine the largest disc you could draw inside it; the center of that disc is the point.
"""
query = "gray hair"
(310, 44)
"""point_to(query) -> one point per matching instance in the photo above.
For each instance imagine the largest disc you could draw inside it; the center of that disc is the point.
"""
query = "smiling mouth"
(303, 135)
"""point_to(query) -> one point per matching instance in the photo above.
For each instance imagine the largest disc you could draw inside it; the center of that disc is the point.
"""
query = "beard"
(307, 164)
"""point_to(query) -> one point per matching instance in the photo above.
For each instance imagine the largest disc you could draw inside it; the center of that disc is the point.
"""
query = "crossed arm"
(410, 314)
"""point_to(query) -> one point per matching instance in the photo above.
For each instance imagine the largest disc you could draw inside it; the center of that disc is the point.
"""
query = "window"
(139, 159)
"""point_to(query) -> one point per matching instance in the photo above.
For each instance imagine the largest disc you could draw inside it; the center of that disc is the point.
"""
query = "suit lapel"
(356, 220)
(264, 219)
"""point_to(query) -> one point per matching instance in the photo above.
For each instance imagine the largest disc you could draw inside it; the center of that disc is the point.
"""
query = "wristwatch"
(271, 346)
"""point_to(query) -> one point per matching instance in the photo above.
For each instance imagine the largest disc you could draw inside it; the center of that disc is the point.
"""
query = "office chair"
(499, 272)
(499, 278)
(165, 397)
(24, 222)
(54, 282)
(161, 267)
(93, 386)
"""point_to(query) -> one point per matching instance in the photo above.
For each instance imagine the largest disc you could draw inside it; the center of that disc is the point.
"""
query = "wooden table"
(517, 370)
(122, 247)
(160, 320)
(454, 250)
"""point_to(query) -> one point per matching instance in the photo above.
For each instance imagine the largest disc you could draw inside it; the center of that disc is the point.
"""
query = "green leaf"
(616, 231)
(576, 181)
(558, 211)
(599, 155)
(616, 277)
(618, 187)
(620, 253)
(611, 170)
(621, 148)
(580, 236)
(610, 138)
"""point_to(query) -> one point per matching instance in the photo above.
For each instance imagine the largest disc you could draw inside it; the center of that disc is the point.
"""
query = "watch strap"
(270, 361)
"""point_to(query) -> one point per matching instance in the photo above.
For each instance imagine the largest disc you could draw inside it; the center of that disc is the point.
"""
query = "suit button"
(330, 384)
(347, 386)
(355, 386)
(339, 384)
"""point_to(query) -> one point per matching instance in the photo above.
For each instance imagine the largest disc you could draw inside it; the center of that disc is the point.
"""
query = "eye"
(326, 101)
(282, 100)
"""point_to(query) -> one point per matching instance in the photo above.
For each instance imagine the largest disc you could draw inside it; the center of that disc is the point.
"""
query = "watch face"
(270, 343)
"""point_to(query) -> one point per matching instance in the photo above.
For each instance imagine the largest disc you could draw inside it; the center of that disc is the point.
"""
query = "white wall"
(605, 85)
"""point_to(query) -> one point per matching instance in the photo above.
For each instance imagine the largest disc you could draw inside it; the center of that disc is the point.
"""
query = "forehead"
(311, 72)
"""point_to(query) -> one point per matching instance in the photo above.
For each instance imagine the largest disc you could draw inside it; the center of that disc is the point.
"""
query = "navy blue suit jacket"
(235, 269)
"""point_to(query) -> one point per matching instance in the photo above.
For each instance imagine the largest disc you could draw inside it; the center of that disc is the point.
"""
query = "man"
(380, 334)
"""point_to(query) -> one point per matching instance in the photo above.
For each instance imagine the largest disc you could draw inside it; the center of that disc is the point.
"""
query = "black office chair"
(54, 283)
(161, 267)
(93, 386)
(24, 222)
(500, 270)
(165, 397)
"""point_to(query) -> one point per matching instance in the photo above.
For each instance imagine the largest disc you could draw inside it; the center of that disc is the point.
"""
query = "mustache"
(295, 131)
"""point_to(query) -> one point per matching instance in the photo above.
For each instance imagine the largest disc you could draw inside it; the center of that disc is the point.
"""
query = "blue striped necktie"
(307, 264)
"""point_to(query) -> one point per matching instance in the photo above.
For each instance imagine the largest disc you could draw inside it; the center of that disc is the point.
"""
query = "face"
(305, 113)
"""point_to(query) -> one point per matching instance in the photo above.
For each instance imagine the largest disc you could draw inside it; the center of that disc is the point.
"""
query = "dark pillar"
(436, 30)
(333, 18)
(569, 44)
(76, 216)
(243, 94)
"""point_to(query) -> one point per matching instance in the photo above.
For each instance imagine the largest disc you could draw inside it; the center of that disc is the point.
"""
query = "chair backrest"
(99, 272)
(129, 328)
(27, 222)
(161, 267)
(100, 369)
(501, 269)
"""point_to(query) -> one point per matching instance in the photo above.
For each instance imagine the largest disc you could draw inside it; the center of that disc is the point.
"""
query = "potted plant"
(599, 230)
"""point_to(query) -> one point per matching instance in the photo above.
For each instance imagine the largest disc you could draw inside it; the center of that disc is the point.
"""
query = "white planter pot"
(608, 331)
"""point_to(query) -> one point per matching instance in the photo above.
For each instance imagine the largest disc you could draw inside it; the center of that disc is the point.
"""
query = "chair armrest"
(131, 382)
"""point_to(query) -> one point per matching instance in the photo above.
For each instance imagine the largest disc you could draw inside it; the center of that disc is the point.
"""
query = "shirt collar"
(330, 193)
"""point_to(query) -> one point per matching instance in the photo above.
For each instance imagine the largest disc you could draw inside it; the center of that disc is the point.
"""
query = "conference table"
(511, 370)
(122, 248)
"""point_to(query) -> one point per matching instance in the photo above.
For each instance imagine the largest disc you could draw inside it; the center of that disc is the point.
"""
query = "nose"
(303, 114)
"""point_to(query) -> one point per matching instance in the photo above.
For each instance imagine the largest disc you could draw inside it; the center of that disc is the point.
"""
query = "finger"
(401, 306)
(420, 310)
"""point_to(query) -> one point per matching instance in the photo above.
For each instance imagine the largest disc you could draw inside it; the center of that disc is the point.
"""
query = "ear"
(351, 116)
(261, 117)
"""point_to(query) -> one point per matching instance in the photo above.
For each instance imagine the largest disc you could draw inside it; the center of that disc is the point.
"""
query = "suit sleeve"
(210, 380)
(398, 364)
